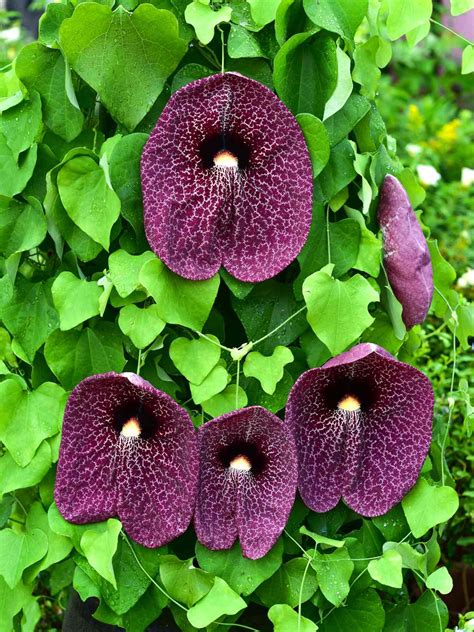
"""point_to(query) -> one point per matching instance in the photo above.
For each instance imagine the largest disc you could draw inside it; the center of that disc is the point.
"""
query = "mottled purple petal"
(370, 456)
(149, 481)
(252, 504)
(252, 219)
(406, 255)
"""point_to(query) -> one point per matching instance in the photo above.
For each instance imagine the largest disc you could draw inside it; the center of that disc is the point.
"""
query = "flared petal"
(369, 455)
(406, 255)
(252, 504)
(148, 481)
(253, 218)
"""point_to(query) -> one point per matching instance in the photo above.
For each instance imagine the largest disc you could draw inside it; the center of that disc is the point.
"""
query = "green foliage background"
(80, 293)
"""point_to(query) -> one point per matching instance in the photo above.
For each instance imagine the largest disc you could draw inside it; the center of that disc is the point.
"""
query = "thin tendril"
(217, 344)
(327, 234)
(237, 380)
(300, 596)
(446, 28)
(222, 50)
(139, 361)
(270, 333)
(143, 569)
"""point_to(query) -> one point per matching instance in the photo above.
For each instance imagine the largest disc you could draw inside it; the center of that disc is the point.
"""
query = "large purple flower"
(406, 255)
(362, 426)
(127, 450)
(247, 481)
(226, 180)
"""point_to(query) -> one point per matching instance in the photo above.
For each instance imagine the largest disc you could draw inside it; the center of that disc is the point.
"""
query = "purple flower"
(362, 426)
(226, 180)
(247, 481)
(127, 450)
(406, 255)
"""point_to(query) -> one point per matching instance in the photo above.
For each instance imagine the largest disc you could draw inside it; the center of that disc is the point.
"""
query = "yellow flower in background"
(415, 118)
(449, 132)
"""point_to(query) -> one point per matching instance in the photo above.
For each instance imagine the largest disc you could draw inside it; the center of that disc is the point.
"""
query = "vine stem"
(328, 235)
(237, 380)
(446, 28)
(139, 361)
(222, 49)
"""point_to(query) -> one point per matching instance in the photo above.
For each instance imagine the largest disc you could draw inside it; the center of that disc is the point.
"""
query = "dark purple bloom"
(406, 255)
(247, 481)
(362, 426)
(227, 180)
(127, 450)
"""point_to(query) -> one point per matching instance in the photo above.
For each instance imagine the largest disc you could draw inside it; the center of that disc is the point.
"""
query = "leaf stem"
(446, 28)
(328, 235)
(139, 361)
(217, 344)
(237, 380)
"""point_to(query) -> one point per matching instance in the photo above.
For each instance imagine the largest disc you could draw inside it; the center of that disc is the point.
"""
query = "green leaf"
(285, 618)
(141, 325)
(21, 124)
(188, 73)
(344, 120)
(425, 506)
(59, 547)
(183, 581)
(29, 417)
(458, 7)
(14, 176)
(428, 613)
(22, 225)
(333, 571)
(124, 270)
(13, 477)
(243, 43)
(444, 276)
(440, 580)
(241, 573)
(10, 90)
(30, 316)
(225, 402)
(305, 72)
(44, 70)
(337, 310)
(363, 612)
(50, 22)
(339, 171)
(268, 370)
(126, 58)
(99, 546)
(465, 324)
(212, 384)
(263, 11)
(366, 71)
(343, 89)
(369, 256)
(316, 139)
(12, 600)
(18, 550)
(322, 539)
(338, 17)
(74, 355)
(88, 199)
(180, 301)
(405, 15)
(392, 525)
(124, 167)
(467, 63)
(75, 300)
(387, 570)
(195, 358)
(204, 19)
(220, 600)
(293, 581)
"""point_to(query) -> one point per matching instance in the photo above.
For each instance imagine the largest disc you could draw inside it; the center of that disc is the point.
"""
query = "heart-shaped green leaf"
(427, 505)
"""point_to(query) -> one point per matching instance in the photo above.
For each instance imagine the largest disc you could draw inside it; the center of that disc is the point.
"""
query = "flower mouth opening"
(226, 151)
(242, 457)
(134, 420)
(350, 396)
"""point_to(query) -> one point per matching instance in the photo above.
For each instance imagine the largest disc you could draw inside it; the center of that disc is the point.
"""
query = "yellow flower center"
(225, 158)
(240, 462)
(131, 428)
(350, 403)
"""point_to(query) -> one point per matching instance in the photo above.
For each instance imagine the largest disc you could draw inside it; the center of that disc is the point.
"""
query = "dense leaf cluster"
(81, 293)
